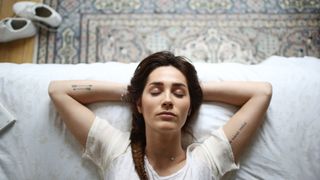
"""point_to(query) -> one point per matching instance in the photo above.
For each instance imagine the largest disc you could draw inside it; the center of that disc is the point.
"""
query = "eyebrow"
(156, 83)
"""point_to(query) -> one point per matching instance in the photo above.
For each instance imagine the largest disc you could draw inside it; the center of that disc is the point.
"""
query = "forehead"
(167, 74)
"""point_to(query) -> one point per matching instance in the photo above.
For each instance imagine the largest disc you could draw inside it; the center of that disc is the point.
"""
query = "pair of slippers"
(31, 15)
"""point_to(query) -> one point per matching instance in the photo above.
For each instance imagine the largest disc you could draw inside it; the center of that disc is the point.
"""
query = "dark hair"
(135, 89)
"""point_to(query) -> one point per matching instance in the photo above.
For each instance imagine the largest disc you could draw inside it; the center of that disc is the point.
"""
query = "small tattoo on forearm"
(76, 87)
(238, 132)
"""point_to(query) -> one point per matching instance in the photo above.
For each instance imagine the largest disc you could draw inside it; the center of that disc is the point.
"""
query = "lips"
(166, 115)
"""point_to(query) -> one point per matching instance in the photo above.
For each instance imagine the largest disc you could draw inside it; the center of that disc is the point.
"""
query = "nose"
(167, 102)
(167, 105)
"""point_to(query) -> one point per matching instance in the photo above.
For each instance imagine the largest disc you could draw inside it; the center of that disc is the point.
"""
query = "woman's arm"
(70, 97)
(253, 98)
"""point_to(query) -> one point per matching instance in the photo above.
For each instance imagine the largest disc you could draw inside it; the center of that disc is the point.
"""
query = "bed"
(287, 145)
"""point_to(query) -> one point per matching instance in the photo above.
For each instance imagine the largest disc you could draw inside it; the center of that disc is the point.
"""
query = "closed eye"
(155, 91)
(179, 93)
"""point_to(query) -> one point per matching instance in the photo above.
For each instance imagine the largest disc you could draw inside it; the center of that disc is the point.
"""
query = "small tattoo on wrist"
(76, 87)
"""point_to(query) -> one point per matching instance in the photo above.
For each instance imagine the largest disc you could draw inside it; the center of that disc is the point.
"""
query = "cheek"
(147, 104)
(185, 107)
(184, 110)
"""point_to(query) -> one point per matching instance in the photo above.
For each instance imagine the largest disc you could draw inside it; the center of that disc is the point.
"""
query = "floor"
(19, 51)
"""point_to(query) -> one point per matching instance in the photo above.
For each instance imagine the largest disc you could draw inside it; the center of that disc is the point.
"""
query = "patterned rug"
(244, 31)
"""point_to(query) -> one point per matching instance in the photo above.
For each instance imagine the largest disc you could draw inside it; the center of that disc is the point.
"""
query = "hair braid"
(138, 144)
(138, 158)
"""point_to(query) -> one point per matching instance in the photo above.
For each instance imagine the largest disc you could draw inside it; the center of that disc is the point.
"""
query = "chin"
(168, 127)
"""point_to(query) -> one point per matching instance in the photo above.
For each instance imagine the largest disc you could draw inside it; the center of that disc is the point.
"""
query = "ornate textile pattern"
(202, 30)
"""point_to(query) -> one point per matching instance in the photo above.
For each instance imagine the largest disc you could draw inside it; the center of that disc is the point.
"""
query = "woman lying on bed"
(164, 95)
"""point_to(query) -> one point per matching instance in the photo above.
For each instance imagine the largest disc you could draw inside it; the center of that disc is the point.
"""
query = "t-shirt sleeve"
(104, 143)
(217, 153)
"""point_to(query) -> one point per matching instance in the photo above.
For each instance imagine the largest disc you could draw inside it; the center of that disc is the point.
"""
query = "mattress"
(286, 146)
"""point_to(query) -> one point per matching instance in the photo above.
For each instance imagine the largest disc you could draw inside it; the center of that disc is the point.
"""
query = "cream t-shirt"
(109, 148)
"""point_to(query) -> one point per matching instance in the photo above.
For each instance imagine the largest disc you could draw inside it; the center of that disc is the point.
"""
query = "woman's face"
(165, 100)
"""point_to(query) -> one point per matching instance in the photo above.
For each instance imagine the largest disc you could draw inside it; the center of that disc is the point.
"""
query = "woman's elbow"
(267, 89)
(53, 88)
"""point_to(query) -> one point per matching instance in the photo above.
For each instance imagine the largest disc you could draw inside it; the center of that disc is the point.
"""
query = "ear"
(139, 107)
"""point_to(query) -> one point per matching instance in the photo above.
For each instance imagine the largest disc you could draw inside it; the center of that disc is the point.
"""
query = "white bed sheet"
(287, 146)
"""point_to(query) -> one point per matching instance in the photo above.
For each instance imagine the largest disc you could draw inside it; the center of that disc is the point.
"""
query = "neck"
(164, 148)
